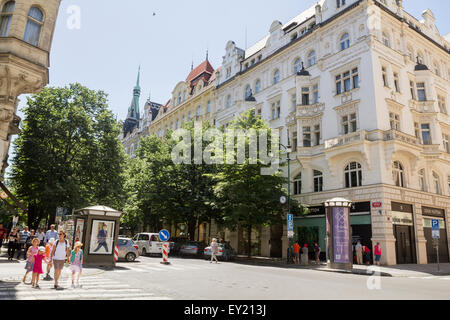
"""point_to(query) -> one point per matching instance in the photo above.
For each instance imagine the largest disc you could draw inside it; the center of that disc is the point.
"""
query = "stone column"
(383, 231)
(421, 242)
(265, 239)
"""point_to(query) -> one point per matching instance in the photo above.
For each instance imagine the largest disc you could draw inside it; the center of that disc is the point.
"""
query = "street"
(197, 279)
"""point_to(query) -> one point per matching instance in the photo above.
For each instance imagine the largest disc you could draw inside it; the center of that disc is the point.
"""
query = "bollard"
(116, 253)
(165, 254)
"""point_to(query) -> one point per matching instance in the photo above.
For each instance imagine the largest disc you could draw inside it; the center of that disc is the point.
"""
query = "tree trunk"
(249, 235)
(191, 229)
(51, 217)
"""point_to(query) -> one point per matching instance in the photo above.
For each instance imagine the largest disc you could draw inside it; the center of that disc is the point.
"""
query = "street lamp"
(288, 151)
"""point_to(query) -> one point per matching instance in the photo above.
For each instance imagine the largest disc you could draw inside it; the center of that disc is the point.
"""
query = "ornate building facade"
(26, 33)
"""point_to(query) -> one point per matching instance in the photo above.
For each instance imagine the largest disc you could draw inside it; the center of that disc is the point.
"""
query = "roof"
(204, 67)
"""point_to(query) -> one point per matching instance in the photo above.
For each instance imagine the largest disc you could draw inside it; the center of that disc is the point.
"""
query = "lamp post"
(288, 151)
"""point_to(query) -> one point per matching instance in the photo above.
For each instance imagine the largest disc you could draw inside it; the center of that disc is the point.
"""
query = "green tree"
(68, 153)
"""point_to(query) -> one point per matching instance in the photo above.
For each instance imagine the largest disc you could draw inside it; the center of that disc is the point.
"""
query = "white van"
(149, 243)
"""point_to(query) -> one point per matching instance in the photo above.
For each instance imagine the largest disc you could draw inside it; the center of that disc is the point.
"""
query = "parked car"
(149, 243)
(226, 252)
(177, 243)
(192, 248)
(128, 250)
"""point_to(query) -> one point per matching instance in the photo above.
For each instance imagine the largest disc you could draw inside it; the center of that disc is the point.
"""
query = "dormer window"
(5, 18)
(34, 25)
(345, 41)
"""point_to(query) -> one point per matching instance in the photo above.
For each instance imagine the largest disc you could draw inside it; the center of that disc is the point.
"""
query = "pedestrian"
(32, 250)
(214, 250)
(24, 234)
(296, 253)
(29, 241)
(359, 253)
(48, 256)
(3, 233)
(37, 267)
(13, 243)
(101, 238)
(50, 234)
(367, 254)
(377, 252)
(41, 236)
(317, 252)
(60, 253)
(76, 263)
(304, 259)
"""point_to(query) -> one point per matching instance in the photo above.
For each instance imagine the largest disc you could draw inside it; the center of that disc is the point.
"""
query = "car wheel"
(130, 257)
(144, 252)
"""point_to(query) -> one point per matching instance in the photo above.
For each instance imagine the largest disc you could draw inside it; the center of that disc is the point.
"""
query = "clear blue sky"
(118, 36)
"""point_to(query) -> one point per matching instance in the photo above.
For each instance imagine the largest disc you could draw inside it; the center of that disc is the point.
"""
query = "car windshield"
(123, 242)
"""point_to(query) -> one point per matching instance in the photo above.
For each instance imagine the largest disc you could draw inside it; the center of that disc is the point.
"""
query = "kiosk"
(98, 229)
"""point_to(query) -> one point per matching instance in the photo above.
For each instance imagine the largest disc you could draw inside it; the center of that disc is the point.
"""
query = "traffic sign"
(290, 234)
(164, 235)
(436, 233)
(290, 217)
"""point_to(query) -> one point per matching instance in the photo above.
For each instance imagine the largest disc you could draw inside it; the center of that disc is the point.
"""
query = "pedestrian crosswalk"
(98, 287)
(157, 267)
(445, 278)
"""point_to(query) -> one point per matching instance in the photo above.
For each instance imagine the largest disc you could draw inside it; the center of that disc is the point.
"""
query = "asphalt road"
(195, 279)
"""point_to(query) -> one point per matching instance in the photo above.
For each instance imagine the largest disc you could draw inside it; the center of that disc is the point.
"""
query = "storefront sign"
(341, 234)
(377, 204)
(402, 218)
(360, 207)
(401, 207)
(433, 212)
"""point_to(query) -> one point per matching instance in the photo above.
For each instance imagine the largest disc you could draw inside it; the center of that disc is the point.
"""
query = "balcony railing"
(347, 139)
(310, 110)
(422, 106)
(400, 136)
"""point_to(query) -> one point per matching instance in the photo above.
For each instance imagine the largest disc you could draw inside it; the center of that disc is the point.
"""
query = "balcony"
(309, 151)
(310, 110)
(422, 106)
(346, 139)
(400, 136)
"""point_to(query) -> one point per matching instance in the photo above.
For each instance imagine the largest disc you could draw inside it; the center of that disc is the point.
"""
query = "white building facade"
(360, 90)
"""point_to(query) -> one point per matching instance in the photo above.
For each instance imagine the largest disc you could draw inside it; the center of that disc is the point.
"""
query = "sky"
(116, 37)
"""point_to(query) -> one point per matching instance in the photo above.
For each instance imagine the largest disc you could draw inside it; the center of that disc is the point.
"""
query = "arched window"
(311, 58)
(398, 174)
(276, 76)
(298, 184)
(353, 175)
(437, 183)
(386, 41)
(179, 98)
(258, 86)
(34, 25)
(318, 181)
(5, 18)
(208, 107)
(297, 65)
(422, 183)
(248, 91)
(228, 101)
(345, 41)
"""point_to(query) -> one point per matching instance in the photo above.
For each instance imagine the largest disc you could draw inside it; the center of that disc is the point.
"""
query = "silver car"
(128, 250)
(226, 252)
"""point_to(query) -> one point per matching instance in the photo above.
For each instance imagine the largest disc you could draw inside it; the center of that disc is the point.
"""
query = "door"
(143, 243)
(155, 244)
(404, 244)
(431, 249)
(276, 246)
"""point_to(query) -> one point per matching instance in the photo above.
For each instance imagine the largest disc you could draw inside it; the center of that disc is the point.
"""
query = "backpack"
(56, 245)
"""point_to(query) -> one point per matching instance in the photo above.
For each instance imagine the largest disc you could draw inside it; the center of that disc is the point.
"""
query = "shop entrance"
(404, 244)
(428, 215)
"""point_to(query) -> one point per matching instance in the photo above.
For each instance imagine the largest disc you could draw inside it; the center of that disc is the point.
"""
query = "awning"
(6, 194)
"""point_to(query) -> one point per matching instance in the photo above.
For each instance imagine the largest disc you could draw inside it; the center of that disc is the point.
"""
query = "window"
(316, 93)
(294, 142)
(317, 134)
(189, 116)
(276, 110)
(422, 184)
(347, 81)
(5, 18)
(258, 86)
(355, 76)
(413, 91)
(228, 101)
(33, 28)
(248, 92)
(385, 79)
(311, 58)
(345, 41)
(298, 184)
(340, 3)
(436, 69)
(442, 104)
(410, 53)
(396, 82)
(199, 113)
(179, 98)
(398, 174)
(386, 41)
(446, 139)
(306, 137)
(297, 65)
(437, 184)
(294, 102)
(305, 96)
(416, 130)
(177, 124)
(426, 133)
(395, 121)
(294, 36)
(276, 77)
(421, 94)
(338, 85)
(228, 72)
(318, 181)
(208, 107)
(353, 175)
(349, 123)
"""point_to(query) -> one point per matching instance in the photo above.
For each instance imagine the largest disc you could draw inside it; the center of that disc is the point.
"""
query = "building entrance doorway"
(276, 244)
(404, 244)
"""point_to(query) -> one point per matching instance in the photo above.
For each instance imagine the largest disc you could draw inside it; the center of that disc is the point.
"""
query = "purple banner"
(341, 235)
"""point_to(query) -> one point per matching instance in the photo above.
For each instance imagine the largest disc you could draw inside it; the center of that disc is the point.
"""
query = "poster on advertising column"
(341, 234)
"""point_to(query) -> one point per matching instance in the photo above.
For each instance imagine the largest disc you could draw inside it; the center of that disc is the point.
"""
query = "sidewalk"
(405, 270)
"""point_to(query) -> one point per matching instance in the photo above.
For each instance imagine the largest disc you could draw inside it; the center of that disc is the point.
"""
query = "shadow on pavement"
(9, 290)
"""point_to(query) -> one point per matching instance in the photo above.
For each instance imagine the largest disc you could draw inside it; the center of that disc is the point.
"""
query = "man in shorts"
(60, 252)
(296, 253)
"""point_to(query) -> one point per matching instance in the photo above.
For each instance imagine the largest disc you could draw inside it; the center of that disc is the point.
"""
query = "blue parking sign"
(436, 233)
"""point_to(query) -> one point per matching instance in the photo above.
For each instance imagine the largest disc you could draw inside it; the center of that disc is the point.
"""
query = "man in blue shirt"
(52, 233)
(24, 234)
(101, 238)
